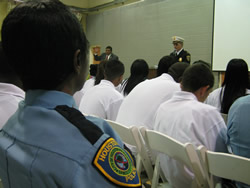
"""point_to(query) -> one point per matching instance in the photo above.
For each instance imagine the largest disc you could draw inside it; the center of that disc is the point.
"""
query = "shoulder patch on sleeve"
(116, 164)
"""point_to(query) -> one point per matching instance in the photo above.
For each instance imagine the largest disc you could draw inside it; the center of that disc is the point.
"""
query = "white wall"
(144, 30)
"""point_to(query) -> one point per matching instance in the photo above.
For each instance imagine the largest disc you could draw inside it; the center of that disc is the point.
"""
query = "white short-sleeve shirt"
(102, 100)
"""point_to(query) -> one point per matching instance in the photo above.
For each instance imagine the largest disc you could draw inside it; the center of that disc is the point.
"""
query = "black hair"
(93, 69)
(201, 61)
(40, 38)
(177, 70)
(235, 83)
(7, 74)
(138, 73)
(197, 76)
(100, 72)
(109, 47)
(164, 64)
(113, 69)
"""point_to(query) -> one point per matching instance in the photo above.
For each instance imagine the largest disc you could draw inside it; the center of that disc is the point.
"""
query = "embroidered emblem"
(188, 57)
(180, 59)
(116, 164)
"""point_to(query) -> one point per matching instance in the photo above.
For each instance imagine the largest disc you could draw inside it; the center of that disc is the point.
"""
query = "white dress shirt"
(139, 107)
(78, 95)
(186, 119)
(102, 100)
(10, 96)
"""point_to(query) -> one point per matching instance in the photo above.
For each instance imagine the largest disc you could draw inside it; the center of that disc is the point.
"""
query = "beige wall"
(3, 12)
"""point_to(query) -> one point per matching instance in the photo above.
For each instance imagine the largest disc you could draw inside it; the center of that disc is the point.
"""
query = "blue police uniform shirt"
(41, 148)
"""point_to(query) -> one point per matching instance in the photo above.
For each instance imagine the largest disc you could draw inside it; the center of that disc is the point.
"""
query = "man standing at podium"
(179, 53)
(108, 55)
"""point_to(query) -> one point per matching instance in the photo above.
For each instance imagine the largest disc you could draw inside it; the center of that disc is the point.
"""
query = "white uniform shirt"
(186, 119)
(102, 100)
(214, 98)
(10, 96)
(139, 107)
(78, 95)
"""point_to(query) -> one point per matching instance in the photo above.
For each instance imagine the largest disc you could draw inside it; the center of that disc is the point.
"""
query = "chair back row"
(203, 163)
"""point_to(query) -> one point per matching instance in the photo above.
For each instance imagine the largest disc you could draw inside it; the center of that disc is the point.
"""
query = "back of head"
(236, 73)
(100, 72)
(201, 61)
(177, 70)
(139, 68)
(235, 82)
(164, 64)
(197, 76)
(113, 69)
(138, 73)
(93, 69)
(44, 36)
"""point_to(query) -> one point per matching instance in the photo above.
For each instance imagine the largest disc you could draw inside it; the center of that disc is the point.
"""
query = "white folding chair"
(184, 153)
(224, 165)
(130, 135)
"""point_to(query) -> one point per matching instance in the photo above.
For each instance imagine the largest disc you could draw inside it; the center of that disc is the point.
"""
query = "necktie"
(106, 58)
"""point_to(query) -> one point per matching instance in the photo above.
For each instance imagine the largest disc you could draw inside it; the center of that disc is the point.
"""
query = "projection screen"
(231, 35)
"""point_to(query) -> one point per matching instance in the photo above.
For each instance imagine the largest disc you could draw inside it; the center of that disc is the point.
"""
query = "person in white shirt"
(88, 84)
(187, 119)
(10, 90)
(139, 107)
(235, 85)
(103, 100)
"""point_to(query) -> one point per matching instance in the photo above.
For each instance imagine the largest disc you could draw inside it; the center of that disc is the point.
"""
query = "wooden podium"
(96, 49)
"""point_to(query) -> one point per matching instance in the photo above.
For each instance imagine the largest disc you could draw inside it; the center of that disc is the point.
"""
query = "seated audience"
(238, 129)
(138, 73)
(10, 90)
(139, 107)
(187, 119)
(88, 84)
(177, 69)
(48, 142)
(103, 100)
(234, 86)
(163, 66)
(100, 72)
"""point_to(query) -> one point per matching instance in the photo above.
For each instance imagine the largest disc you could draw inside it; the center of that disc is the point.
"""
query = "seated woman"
(138, 73)
(234, 86)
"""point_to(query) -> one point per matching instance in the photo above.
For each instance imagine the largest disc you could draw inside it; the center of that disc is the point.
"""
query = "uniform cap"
(177, 39)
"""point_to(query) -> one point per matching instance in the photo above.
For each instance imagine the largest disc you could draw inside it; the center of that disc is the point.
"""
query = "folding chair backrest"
(225, 165)
(130, 135)
(184, 153)
(124, 132)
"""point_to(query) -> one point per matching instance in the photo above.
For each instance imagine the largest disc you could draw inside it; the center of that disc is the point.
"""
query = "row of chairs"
(204, 164)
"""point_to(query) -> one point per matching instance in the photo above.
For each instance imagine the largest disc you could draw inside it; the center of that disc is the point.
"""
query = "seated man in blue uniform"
(48, 142)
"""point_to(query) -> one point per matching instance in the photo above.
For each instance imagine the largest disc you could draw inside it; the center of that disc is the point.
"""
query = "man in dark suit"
(108, 55)
(179, 53)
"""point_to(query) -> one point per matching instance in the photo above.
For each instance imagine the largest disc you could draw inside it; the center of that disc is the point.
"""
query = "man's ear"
(77, 61)
(204, 90)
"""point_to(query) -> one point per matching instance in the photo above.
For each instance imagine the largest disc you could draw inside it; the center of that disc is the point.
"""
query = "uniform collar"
(107, 83)
(179, 51)
(167, 76)
(184, 95)
(48, 99)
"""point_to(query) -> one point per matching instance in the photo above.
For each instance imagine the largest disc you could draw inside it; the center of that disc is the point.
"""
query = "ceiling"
(88, 6)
